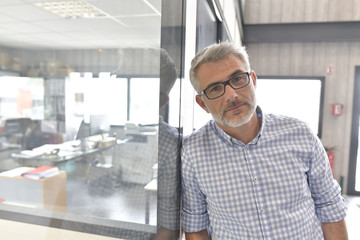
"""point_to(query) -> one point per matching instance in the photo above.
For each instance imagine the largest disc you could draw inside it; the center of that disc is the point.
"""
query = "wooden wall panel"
(332, 10)
(307, 60)
(285, 55)
(296, 63)
(291, 11)
(345, 10)
(274, 63)
(265, 7)
(355, 10)
(310, 10)
(321, 11)
(251, 12)
(319, 68)
(298, 11)
(275, 11)
(287, 11)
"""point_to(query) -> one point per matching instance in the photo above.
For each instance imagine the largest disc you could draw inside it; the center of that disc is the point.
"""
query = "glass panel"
(303, 98)
(86, 92)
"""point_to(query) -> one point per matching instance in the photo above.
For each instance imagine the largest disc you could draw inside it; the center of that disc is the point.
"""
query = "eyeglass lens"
(236, 82)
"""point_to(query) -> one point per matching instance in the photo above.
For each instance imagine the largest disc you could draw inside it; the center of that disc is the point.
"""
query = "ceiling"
(127, 23)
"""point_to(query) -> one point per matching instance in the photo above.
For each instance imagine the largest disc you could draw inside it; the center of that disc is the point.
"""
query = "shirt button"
(261, 210)
(255, 179)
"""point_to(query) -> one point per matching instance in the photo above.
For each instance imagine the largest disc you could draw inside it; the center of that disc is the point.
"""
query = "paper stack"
(41, 172)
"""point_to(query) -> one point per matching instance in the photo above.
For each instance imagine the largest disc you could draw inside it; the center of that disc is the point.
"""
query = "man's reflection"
(168, 204)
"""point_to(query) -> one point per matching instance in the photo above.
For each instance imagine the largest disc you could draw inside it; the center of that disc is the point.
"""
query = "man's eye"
(236, 79)
(216, 88)
(239, 79)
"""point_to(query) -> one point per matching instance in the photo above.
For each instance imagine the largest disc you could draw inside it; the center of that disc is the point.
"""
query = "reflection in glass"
(22, 97)
(97, 109)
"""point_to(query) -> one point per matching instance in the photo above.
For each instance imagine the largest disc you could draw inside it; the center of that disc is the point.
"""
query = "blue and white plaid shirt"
(279, 186)
(169, 188)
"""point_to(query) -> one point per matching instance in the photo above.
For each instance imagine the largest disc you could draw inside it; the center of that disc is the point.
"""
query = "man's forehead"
(226, 64)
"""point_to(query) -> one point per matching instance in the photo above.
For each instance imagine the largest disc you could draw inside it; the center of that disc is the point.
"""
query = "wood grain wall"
(292, 11)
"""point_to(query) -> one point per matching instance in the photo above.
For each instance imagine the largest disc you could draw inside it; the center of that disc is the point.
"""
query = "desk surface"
(56, 159)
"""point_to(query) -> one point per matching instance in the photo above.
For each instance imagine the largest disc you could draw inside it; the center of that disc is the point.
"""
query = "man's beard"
(237, 121)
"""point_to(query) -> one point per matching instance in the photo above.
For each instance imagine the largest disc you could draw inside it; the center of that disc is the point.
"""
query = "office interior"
(100, 90)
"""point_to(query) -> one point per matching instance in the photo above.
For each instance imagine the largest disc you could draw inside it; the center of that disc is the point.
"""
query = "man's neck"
(245, 133)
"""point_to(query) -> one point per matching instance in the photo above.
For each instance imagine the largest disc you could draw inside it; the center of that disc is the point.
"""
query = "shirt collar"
(233, 141)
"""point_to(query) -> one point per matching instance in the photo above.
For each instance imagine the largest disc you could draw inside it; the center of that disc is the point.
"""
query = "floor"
(353, 217)
(124, 202)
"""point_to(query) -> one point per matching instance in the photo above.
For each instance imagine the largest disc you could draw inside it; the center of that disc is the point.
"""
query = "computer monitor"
(99, 124)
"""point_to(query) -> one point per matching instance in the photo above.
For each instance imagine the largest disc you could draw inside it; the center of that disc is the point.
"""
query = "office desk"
(58, 159)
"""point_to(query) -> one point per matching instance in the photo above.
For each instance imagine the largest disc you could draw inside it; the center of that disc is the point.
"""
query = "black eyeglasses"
(216, 90)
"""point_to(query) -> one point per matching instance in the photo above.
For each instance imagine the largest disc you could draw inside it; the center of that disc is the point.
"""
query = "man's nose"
(230, 93)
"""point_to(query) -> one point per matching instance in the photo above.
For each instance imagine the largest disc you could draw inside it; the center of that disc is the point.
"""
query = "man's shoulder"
(198, 135)
(280, 123)
(278, 119)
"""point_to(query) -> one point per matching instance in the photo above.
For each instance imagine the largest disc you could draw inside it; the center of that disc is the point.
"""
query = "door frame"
(354, 135)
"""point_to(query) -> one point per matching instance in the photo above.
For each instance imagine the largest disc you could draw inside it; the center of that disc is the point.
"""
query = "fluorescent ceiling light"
(70, 9)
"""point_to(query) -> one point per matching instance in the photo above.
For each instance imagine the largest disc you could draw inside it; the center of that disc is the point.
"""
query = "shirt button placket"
(259, 201)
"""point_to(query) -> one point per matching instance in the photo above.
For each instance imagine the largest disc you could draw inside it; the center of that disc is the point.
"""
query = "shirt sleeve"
(169, 188)
(326, 192)
(194, 217)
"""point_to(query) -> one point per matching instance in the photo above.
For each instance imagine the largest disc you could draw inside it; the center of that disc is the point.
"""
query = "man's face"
(236, 107)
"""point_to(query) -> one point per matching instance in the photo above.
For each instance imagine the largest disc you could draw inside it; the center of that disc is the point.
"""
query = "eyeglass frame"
(225, 83)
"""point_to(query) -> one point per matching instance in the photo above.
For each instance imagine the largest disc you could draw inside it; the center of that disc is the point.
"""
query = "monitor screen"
(99, 124)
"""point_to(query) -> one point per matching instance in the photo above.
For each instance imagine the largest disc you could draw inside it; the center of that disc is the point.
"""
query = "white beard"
(236, 121)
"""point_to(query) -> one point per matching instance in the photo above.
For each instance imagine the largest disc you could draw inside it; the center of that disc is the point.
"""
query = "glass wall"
(91, 91)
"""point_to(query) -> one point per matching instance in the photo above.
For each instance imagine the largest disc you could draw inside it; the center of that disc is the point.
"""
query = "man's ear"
(253, 77)
(201, 103)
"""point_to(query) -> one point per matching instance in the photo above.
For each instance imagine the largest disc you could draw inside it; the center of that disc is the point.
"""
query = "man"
(251, 175)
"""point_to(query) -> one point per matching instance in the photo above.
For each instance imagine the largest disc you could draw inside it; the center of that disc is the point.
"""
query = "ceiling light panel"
(70, 9)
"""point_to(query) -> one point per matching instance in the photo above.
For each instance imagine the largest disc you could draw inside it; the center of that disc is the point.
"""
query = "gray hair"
(214, 53)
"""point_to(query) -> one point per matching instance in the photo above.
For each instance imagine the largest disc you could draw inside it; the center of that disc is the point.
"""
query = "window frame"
(305, 78)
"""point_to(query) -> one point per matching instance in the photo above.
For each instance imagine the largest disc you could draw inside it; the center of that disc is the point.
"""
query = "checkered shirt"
(169, 189)
(279, 186)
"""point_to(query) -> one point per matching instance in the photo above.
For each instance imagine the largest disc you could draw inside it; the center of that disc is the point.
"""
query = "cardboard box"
(48, 193)
(4, 61)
